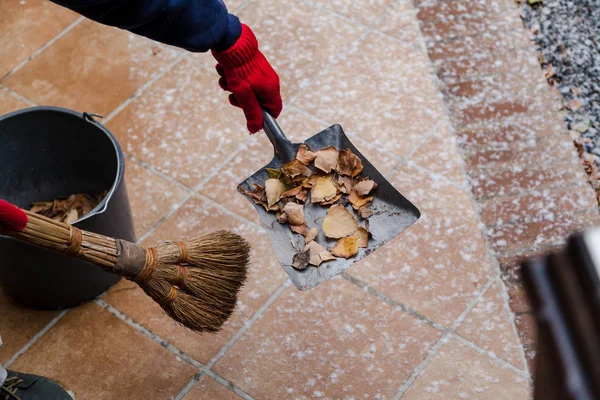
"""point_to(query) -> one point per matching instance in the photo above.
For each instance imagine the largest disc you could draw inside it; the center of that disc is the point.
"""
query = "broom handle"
(113, 255)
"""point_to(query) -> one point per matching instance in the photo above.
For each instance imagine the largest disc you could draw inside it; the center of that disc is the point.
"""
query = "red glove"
(248, 75)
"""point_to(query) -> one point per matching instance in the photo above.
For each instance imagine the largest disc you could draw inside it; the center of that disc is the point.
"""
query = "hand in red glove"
(247, 74)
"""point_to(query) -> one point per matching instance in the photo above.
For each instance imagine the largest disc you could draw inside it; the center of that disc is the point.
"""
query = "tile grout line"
(229, 385)
(349, 49)
(229, 212)
(421, 367)
(167, 215)
(17, 96)
(207, 369)
(189, 386)
(150, 168)
(257, 315)
(381, 296)
(243, 145)
(471, 304)
(169, 347)
(443, 340)
(148, 333)
(41, 49)
(35, 338)
(142, 89)
(492, 355)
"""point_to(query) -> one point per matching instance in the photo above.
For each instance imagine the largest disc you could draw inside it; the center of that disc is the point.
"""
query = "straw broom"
(195, 282)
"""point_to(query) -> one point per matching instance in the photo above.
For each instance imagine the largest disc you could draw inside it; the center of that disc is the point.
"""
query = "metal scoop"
(393, 213)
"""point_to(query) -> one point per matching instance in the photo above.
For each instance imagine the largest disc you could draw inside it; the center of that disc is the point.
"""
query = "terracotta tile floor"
(425, 317)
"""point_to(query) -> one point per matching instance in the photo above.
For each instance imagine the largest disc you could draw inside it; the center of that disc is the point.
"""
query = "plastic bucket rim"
(100, 207)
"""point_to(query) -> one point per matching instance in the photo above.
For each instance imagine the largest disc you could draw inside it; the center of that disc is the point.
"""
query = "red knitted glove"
(247, 74)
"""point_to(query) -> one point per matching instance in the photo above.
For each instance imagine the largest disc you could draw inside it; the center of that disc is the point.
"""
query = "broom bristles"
(214, 274)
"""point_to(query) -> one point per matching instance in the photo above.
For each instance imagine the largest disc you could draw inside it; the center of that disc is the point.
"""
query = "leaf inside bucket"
(68, 209)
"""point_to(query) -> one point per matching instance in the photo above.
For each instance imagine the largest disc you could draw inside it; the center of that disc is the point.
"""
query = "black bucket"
(47, 153)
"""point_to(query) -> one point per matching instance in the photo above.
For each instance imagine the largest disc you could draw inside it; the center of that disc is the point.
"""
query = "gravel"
(567, 34)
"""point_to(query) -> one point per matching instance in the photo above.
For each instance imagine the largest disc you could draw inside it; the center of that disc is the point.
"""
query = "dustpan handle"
(284, 149)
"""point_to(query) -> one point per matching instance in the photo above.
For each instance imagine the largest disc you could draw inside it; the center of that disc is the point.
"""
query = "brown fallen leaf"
(346, 184)
(72, 216)
(339, 222)
(326, 256)
(281, 217)
(348, 163)
(326, 159)
(295, 213)
(345, 247)
(304, 155)
(311, 234)
(323, 190)
(301, 260)
(274, 188)
(317, 254)
(299, 229)
(293, 192)
(357, 201)
(302, 195)
(295, 169)
(273, 173)
(362, 237)
(330, 202)
(365, 212)
(363, 188)
(257, 195)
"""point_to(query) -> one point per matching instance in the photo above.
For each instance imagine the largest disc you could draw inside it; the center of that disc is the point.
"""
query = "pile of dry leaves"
(67, 209)
(332, 179)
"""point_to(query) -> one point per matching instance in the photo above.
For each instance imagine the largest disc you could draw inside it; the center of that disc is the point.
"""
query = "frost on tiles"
(328, 177)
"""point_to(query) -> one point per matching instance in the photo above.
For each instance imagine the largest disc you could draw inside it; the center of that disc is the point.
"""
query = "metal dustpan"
(393, 213)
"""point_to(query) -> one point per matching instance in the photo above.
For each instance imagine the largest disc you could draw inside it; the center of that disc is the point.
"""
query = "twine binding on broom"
(149, 265)
(75, 241)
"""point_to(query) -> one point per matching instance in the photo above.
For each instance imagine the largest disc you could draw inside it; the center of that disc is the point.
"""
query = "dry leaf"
(304, 155)
(295, 169)
(345, 247)
(576, 91)
(339, 222)
(311, 234)
(330, 202)
(326, 256)
(68, 209)
(326, 159)
(346, 184)
(281, 217)
(274, 189)
(364, 212)
(301, 260)
(72, 216)
(295, 213)
(364, 188)
(258, 195)
(362, 237)
(317, 254)
(273, 173)
(302, 195)
(292, 192)
(300, 229)
(348, 163)
(323, 190)
(357, 201)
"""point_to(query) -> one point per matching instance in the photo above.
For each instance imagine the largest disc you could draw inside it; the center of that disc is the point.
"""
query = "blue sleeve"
(195, 25)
